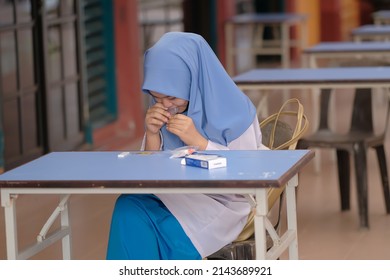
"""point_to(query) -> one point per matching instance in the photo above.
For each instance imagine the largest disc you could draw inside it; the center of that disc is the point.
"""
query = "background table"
(66, 173)
(362, 51)
(371, 32)
(265, 80)
(381, 17)
(282, 22)
(316, 79)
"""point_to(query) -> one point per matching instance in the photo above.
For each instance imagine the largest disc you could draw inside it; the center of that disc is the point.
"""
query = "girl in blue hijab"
(194, 102)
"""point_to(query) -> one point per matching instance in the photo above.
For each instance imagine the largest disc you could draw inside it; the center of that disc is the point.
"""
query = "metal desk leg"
(316, 95)
(8, 201)
(11, 235)
(260, 219)
(285, 45)
(65, 223)
(303, 36)
(317, 104)
(288, 240)
(63, 233)
(292, 216)
(285, 53)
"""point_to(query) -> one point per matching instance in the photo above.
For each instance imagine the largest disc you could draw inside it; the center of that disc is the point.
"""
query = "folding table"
(258, 46)
(315, 79)
(381, 17)
(265, 79)
(371, 32)
(346, 50)
(71, 173)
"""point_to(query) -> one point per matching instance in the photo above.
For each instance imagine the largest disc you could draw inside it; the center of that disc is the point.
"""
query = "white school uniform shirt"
(212, 221)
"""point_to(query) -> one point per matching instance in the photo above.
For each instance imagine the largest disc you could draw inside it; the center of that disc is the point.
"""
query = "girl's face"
(170, 102)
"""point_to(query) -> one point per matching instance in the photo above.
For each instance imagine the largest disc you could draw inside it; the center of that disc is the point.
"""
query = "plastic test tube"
(173, 110)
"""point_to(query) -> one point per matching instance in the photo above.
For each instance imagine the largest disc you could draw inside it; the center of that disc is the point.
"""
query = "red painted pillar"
(225, 10)
(330, 20)
(290, 7)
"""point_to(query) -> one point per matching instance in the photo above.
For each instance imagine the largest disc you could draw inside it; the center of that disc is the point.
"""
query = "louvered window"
(100, 61)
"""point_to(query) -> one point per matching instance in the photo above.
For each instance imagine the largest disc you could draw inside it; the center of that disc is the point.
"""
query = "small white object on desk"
(123, 154)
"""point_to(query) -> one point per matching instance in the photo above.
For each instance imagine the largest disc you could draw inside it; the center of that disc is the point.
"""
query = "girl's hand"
(184, 128)
(156, 117)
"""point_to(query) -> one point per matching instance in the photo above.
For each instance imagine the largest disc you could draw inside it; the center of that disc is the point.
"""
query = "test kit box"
(206, 161)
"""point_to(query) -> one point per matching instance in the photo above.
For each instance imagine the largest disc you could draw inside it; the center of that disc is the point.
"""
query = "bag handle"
(300, 127)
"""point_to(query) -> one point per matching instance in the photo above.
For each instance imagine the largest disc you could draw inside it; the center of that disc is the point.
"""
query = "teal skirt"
(142, 228)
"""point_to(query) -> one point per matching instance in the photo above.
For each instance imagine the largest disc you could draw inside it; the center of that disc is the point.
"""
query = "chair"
(355, 144)
(277, 134)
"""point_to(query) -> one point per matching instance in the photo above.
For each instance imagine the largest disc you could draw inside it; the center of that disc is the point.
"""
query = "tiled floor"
(327, 233)
(324, 231)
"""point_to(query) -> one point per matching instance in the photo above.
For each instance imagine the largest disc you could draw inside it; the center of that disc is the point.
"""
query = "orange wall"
(225, 10)
(329, 20)
(312, 10)
(349, 18)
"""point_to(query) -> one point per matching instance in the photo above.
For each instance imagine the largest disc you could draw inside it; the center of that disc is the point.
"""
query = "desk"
(346, 50)
(371, 32)
(368, 53)
(318, 78)
(381, 17)
(67, 173)
(281, 21)
(313, 79)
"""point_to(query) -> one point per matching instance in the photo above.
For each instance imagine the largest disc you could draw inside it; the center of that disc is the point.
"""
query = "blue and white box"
(206, 161)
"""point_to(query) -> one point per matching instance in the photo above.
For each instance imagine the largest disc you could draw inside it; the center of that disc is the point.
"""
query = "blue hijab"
(183, 65)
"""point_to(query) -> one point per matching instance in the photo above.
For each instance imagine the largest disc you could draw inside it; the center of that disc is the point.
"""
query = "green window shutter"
(100, 61)
(1, 149)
